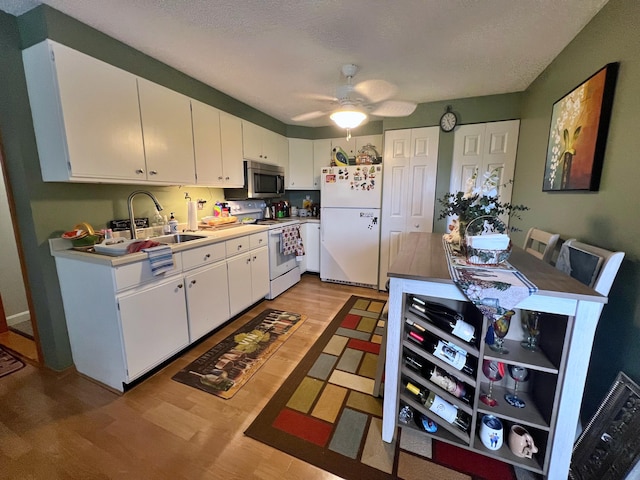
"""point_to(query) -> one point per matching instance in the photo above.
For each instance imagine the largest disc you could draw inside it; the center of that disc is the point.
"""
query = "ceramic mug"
(521, 443)
(491, 432)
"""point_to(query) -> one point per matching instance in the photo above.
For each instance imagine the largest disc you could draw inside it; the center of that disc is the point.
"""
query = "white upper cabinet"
(217, 165)
(321, 158)
(167, 134)
(231, 137)
(261, 145)
(355, 144)
(207, 144)
(300, 174)
(85, 115)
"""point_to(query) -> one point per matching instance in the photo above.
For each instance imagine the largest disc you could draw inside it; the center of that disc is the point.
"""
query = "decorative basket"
(485, 257)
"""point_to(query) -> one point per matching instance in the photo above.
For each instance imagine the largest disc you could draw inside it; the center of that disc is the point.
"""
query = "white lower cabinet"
(207, 299)
(248, 275)
(154, 325)
(123, 321)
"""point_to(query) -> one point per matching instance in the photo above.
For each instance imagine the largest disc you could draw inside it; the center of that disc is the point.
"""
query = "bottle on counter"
(444, 318)
(157, 223)
(437, 376)
(445, 351)
(440, 407)
(173, 224)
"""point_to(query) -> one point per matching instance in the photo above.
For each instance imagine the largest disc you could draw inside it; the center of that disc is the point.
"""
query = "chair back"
(541, 244)
(593, 266)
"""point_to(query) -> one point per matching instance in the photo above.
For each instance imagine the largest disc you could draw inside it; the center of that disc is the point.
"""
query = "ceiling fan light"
(348, 118)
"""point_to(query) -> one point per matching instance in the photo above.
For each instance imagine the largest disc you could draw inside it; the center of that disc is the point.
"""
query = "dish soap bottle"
(173, 224)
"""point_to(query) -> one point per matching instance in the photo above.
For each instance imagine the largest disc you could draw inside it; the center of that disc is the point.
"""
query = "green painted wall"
(606, 218)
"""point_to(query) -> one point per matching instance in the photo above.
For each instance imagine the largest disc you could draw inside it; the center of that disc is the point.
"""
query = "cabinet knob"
(260, 241)
(239, 247)
(193, 282)
(153, 172)
(207, 256)
(248, 260)
(179, 285)
(417, 225)
(220, 177)
(226, 178)
(254, 258)
(139, 171)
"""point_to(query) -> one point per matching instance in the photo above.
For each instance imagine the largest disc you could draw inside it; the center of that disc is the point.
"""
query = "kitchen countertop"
(63, 248)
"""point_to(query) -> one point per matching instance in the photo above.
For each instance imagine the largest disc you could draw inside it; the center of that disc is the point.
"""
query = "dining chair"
(541, 244)
(593, 266)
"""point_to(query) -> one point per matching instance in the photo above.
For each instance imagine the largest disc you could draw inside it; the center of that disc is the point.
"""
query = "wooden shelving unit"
(556, 373)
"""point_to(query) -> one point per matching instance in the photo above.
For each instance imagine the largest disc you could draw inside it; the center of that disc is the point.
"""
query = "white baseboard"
(18, 317)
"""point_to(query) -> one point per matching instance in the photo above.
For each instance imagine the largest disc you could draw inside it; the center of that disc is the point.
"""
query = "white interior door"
(411, 159)
(485, 146)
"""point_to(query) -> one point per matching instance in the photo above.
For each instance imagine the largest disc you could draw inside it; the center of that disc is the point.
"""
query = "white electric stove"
(284, 271)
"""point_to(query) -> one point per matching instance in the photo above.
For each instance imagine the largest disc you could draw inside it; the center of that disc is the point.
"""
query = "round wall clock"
(448, 121)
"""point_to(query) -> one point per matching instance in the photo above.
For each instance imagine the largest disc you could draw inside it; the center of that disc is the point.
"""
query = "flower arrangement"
(476, 202)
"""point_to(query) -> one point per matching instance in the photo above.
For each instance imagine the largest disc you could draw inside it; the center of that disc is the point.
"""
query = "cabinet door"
(167, 134)
(259, 273)
(85, 115)
(251, 141)
(311, 241)
(375, 140)
(283, 153)
(300, 164)
(231, 139)
(321, 158)
(270, 147)
(239, 278)
(408, 199)
(154, 325)
(207, 144)
(207, 300)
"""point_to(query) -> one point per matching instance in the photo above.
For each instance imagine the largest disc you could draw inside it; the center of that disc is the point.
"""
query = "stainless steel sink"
(178, 238)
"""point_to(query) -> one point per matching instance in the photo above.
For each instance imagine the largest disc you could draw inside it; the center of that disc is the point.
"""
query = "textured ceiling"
(283, 57)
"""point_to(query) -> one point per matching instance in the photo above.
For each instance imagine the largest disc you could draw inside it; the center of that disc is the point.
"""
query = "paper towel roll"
(192, 215)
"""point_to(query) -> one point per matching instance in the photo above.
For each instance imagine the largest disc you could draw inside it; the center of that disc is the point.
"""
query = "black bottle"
(445, 381)
(444, 318)
(445, 351)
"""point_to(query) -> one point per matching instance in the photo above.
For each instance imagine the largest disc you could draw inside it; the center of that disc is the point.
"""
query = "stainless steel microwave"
(261, 180)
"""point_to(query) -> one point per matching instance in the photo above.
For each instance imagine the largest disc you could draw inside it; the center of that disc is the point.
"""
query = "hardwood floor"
(63, 426)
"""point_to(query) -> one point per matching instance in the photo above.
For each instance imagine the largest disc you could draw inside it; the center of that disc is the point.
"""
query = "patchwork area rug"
(225, 368)
(9, 363)
(326, 415)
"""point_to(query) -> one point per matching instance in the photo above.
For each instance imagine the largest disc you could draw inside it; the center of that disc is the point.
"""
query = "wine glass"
(531, 325)
(500, 328)
(494, 371)
(519, 374)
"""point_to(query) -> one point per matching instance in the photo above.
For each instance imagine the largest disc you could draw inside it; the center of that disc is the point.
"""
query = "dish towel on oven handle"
(160, 259)
(291, 242)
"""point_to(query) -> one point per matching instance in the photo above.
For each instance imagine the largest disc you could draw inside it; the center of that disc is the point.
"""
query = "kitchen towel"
(291, 242)
(192, 216)
(160, 259)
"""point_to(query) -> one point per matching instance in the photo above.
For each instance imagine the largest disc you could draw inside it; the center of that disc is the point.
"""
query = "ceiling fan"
(354, 102)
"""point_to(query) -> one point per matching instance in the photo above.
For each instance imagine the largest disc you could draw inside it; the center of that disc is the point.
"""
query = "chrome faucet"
(132, 219)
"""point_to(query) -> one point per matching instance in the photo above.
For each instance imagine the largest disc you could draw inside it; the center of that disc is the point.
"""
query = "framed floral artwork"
(578, 133)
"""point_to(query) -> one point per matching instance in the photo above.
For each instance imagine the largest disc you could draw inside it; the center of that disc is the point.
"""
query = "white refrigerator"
(350, 199)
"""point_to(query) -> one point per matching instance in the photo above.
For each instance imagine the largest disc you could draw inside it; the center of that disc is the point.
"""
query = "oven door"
(279, 264)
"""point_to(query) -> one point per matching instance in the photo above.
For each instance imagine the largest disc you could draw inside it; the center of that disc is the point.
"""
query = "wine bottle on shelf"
(444, 318)
(440, 407)
(445, 381)
(445, 351)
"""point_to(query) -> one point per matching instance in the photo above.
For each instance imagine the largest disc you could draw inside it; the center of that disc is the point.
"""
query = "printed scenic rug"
(225, 368)
(326, 415)
(9, 363)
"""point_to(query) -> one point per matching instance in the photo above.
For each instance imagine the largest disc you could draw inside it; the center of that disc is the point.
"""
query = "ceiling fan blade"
(394, 108)
(376, 91)
(303, 117)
